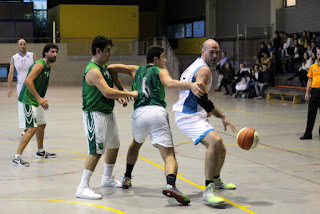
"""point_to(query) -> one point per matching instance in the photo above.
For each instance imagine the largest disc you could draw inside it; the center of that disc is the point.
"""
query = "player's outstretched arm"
(94, 77)
(10, 78)
(167, 81)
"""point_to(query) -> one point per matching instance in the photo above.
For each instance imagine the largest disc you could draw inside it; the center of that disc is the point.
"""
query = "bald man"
(191, 117)
(20, 62)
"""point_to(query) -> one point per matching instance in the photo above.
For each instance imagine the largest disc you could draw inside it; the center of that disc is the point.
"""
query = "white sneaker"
(85, 191)
(110, 182)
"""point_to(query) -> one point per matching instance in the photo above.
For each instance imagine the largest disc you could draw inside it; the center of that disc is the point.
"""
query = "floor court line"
(201, 187)
(73, 202)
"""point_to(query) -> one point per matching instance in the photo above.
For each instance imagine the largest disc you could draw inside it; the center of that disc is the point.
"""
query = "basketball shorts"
(153, 120)
(101, 131)
(196, 125)
(30, 116)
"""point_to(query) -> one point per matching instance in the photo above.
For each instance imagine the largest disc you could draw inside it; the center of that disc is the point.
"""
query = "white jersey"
(188, 102)
(21, 66)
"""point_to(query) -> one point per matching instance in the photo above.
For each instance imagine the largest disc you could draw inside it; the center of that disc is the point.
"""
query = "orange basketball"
(248, 138)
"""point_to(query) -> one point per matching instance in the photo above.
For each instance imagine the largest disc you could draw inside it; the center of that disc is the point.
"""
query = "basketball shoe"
(85, 191)
(210, 196)
(45, 154)
(126, 183)
(171, 191)
(108, 181)
(223, 185)
(18, 161)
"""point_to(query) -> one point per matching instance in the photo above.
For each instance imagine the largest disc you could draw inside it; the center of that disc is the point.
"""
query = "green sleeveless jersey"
(148, 84)
(92, 98)
(40, 83)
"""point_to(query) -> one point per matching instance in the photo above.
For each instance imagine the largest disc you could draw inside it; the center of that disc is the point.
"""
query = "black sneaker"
(171, 191)
(126, 183)
(45, 154)
(18, 161)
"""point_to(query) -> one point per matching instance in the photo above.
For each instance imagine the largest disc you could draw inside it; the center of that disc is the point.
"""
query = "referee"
(313, 85)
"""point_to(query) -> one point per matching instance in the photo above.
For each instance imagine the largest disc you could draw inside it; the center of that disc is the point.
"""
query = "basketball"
(248, 138)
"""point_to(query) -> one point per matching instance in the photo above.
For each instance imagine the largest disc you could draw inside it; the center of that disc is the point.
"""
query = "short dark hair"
(154, 51)
(100, 42)
(48, 47)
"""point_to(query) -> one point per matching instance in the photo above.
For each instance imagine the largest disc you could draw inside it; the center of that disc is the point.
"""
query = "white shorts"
(151, 120)
(101, 130)
(195, 125)
(30, 116)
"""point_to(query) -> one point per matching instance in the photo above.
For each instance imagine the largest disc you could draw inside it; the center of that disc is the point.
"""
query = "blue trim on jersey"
(190, 104)
(202, 136)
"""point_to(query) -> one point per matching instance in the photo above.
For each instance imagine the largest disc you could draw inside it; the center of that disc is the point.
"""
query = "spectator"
(277, 41)
(287, 43)
(314, 58)
(304, 39)
(270, 48)
(243, 72)
(303, 70)
(266, 81)
(263, 49)
(266, 59)
(275, 64)
(256, 77)
(314, 38)
(228, 77)
(296, 36)
(221, 69)
(314, 48)
(309, 50)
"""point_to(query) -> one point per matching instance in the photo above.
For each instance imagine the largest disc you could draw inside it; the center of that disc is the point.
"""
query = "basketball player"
(20, 62)
(99, 120)
(33, 103)
(191, 118)
(150, 116)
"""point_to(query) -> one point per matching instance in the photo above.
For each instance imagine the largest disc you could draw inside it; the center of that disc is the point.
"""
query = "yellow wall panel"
(190, 45)
(112, 21)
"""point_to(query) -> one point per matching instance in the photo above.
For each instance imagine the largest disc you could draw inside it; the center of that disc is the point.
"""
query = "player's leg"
(171, 168)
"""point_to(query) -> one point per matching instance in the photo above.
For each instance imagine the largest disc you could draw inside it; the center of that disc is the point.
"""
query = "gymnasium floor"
(281, 175)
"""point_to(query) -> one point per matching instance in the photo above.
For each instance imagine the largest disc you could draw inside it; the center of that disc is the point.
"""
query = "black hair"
(154, 51)
(48, 47)
(100, 42)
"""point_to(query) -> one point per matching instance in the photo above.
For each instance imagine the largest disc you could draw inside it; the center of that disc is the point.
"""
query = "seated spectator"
(256, 76)
(297, 55)
(266, 81)
(221, 69)
(263, 49)
(266, 59)
(275, 65)
(243, 72)
(242, 87)
(303, 70)
(270, 48)
(296, 36)
(228, 77)
(314, 48)
(309, 50)
(304, 39)
(287, 43)
(277, 41)
(314, 38)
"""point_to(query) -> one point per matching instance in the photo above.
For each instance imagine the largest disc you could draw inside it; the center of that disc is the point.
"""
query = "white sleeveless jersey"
(21, 66)
(188, 102)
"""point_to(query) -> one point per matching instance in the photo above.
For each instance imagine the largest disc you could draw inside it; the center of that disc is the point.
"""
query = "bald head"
(22, 46)
(210, 51)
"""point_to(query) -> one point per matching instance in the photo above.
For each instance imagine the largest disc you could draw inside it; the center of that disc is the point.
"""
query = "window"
(189, 30)
(289, 3)
(179, 31)
(198, 29)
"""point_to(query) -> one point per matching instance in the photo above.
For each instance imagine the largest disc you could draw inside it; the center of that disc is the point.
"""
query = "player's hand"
(226, 122)
(135, 95)
(44, 103)
(196, 90)
(128, 98)
(122, 101)
(9, 92)
(307, 96)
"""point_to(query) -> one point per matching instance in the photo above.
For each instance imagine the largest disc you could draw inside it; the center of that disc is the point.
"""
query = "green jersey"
(40, 83)
(92, 98)
(148, 84)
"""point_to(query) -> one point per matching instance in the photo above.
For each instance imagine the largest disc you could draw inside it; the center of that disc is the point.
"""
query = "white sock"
(41, 150)
(17, 155)
(108, 170)
(86, 175)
